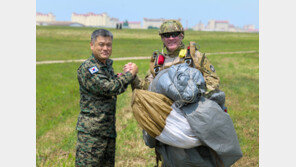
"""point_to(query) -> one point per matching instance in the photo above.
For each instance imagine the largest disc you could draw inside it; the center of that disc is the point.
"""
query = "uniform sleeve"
(211, 78)
(212, 82)
(99, 83)
(142, 83)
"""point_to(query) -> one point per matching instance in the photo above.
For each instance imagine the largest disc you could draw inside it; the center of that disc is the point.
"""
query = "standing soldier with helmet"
(172, 34)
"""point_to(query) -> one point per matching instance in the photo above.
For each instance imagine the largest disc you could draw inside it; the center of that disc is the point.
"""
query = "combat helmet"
(171, 26)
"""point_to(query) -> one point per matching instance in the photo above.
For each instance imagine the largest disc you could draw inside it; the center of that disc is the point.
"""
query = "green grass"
(61, 43)
(57, 92)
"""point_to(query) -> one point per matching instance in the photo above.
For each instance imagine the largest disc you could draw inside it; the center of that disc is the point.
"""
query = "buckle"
(156, 70)
(188, 61)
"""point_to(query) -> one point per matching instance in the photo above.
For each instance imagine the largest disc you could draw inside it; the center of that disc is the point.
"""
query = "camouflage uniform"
(99, 87)
(95, 150)
(172, 58)
(171, 154)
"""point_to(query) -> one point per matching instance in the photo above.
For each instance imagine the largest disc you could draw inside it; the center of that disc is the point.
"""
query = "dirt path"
(135, 58)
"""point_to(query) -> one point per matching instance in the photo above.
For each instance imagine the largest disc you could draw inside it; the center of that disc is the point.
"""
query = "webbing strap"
(157, 157)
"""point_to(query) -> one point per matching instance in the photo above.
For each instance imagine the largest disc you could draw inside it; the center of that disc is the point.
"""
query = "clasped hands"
(131, 67)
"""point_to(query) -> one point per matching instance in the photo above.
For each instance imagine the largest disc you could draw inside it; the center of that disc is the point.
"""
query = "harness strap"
(152, 62)
(190, 58)
(157, 157)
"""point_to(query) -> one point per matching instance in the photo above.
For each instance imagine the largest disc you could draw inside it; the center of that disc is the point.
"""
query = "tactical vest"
(187, 55)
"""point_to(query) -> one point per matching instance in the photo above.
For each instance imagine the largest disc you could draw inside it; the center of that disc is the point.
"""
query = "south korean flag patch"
(93, 69)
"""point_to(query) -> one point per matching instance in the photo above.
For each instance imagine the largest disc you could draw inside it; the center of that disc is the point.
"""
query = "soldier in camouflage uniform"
(99, 87)
(172, 34)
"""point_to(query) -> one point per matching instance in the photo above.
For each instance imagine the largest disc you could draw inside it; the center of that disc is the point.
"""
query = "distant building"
(155, 23)
(44, 18)
(199, 27)
(231, 28)
(211, 25)
(250, 28)
(152, 23)
(113, 22)
(94, 20)
(134, 25)
(62, 23)
(217, 25)
(221, 25)
(103, 20)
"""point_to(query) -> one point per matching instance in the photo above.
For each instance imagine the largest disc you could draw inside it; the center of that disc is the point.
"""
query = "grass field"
(57, 91)
(63, 43)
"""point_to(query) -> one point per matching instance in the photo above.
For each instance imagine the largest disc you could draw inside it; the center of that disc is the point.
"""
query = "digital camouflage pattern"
(94, 150)
(98, 95)
(171, 26)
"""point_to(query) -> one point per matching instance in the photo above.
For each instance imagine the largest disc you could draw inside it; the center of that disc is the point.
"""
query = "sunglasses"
(173, 34)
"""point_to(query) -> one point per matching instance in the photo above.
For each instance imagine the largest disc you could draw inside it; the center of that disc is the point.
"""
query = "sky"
(191, 12)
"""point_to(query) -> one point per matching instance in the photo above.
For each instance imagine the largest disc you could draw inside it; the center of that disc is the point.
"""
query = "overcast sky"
(237, 12)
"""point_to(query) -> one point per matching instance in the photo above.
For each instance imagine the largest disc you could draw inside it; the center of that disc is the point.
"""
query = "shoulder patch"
(93, 69)
(212, 68)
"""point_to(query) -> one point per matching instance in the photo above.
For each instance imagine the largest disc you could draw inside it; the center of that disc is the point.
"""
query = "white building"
(134, 25)
(231, 28)
(218, 25)
(44, 18)
(156, 23)
(152, 22)
(96, 20)
(211, 25)
(250, 28)
(62, 23)
(199, 27)
(113, 21)
(221, 25)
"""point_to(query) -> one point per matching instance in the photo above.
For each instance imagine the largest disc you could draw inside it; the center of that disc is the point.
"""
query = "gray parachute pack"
(212, 126)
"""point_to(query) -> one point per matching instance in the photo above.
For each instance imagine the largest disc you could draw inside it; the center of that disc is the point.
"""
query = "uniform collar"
(109, 62)
(176, 52)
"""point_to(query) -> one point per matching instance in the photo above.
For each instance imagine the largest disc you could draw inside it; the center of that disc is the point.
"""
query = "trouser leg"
(94, 150)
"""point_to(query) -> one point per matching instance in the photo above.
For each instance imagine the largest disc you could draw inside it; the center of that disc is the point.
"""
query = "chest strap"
(156, 63)
(186, 56)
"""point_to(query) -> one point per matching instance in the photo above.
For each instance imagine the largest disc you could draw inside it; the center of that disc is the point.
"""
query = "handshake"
(131, 67)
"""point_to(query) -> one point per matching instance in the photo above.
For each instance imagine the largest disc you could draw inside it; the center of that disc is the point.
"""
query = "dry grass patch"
(131, 162)
(247, 162)
(49, 145)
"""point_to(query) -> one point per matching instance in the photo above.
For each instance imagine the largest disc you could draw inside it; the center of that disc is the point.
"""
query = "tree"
(151, 27)
(125, 23)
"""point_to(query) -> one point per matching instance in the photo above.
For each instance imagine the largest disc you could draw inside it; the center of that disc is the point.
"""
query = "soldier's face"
(102, 48)
(172, 43)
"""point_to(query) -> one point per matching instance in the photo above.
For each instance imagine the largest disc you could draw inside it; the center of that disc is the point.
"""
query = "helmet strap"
(163, 46)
